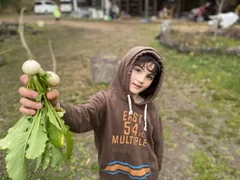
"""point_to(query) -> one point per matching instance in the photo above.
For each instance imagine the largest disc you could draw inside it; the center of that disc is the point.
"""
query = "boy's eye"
(150, 77)
(137, 69)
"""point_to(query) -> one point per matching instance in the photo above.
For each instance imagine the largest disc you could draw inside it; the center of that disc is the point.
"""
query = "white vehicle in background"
(44, 6)
(66, 6)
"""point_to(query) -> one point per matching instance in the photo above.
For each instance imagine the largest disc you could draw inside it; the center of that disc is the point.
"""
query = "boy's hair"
(145, 59)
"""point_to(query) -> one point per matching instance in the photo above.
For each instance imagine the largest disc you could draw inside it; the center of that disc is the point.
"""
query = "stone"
(166, 27)
(233, 50)
(103, 68)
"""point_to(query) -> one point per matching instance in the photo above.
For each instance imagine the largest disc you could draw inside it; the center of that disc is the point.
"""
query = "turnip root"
(31, 67)
(54, 79)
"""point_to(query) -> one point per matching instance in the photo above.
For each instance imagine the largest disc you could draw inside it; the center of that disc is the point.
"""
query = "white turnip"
(31, 67)
(53, 78)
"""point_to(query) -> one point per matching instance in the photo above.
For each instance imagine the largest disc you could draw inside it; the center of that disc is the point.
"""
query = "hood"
(121, 79)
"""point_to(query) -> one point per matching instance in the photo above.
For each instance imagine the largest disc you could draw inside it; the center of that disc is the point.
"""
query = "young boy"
(127, 126)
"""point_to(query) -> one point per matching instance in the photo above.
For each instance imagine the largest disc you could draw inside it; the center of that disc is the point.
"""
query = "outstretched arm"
(87, 116)
(80, 118)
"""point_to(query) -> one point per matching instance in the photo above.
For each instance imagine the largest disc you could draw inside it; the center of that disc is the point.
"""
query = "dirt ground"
(176, 96)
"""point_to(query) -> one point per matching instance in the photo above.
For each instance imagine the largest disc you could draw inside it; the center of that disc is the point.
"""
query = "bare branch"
(21, 34)
(53, 56)
(5, 51)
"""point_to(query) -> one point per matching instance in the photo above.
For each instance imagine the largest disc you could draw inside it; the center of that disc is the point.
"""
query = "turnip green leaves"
(43, 137)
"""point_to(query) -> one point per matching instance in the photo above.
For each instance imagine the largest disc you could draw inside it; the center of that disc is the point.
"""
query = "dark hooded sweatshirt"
(125, 149)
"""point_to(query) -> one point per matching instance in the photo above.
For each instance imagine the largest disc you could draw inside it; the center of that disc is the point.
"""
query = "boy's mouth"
(137, 86)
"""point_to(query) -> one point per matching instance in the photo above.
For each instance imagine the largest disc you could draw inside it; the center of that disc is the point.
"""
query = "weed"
(207, 167)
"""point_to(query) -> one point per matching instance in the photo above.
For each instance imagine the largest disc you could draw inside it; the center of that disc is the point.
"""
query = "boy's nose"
(140, 79)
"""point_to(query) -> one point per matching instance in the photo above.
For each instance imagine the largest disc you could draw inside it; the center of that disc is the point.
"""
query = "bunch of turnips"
(32, 67)
(43, 137)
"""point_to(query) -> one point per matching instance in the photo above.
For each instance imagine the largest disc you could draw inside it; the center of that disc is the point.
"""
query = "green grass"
(219, 117)
(204, 41)
(220, 74)
(207, 167)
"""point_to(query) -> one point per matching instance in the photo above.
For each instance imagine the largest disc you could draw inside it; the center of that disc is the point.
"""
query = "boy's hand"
(29, 105)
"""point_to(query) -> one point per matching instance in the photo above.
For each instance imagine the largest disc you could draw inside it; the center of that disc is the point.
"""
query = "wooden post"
(128, 7)
(155, 7)
(120, 6)
(146, 8)
(140, 7)
(75, 6)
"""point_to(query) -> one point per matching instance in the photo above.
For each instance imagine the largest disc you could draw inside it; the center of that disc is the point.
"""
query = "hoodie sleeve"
(85, 117)
(158, 142)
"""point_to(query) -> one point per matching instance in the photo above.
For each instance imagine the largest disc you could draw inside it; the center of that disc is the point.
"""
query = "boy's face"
(141, 78)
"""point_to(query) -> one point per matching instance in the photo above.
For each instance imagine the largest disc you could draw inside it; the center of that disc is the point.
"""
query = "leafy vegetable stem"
(50, 108)
(42, 90)
(38, 85)
(33, 122)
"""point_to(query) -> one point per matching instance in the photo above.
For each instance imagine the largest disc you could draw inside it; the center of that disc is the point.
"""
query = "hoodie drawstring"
(145, 118)
(130, 112)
